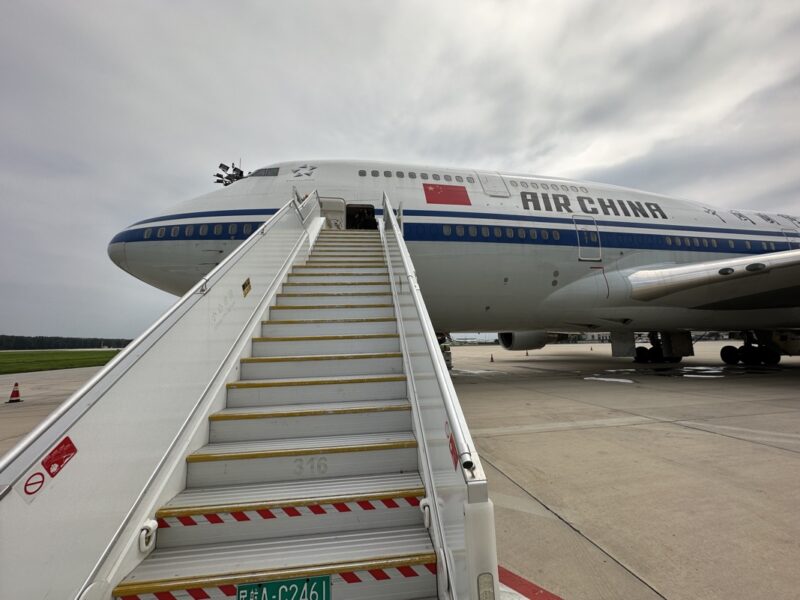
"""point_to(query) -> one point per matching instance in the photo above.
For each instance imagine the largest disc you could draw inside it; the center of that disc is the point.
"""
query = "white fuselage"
(493, 251)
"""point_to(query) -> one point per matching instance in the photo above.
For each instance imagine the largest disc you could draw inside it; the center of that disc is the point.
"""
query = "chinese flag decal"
(446, 194)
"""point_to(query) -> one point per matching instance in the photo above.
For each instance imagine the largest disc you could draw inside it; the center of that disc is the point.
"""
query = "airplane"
(523, 255)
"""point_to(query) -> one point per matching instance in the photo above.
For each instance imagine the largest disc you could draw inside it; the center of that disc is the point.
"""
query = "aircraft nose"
(116, 252)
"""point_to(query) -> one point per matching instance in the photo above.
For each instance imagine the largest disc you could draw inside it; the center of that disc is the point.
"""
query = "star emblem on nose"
(303, 171)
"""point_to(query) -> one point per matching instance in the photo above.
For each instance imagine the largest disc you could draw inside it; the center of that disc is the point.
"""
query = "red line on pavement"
(523, 586)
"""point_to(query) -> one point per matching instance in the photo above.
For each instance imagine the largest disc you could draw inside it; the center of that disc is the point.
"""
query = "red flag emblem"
(446, 194)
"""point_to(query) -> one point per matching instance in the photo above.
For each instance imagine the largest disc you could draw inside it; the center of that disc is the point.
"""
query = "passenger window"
(545, 186)
(375, 173)
(764, 245)
(509, 232)
(218, 229)
(436, 177)
(748, 245)
(678, 241)
(573, 188)
(362, 173)
(460, 230)
(687, 241)
(593, 237)
(584, 190)
(556, 235)
(545, 235)
(498, 233)
(232, 229)
(248, 229)
(513, 183)
(731, 244)
(485, 232)
(533, 234)
(412, 175)
(148, 233)
(423, 175)
(203, 229)
(473, 231)
(714, 243)
(471, 179)
(696, 242)
(772, 245)
(161, 232)
(189, 230)
(705, 243)
(447, 230)
(459, 179)
(524, 184)
(668, 241)
(535, 185)
(521, 233)
(387, 173)
(400, 174)
(564, 188)
(176, 229)
(448, 178)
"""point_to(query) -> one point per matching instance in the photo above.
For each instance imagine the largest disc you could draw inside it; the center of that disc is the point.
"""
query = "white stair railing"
(460, 514)
(77, 494)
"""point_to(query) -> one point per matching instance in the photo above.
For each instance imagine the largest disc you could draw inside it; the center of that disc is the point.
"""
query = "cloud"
(111, 112)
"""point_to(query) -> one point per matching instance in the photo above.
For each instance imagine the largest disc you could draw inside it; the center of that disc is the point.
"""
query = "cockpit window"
(270, 172)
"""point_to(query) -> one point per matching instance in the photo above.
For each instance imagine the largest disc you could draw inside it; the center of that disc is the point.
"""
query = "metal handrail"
(72, 410)
(463, 440)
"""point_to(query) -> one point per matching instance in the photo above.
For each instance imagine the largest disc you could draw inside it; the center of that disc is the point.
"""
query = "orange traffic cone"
(14, 395)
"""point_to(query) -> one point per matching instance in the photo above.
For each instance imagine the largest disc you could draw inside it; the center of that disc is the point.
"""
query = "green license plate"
(307, 588)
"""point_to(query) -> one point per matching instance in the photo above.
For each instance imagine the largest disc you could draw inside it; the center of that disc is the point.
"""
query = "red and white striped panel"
(219, 518)
(342, 579)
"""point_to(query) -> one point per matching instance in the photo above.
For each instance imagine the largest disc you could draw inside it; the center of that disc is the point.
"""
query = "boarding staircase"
(329, 461)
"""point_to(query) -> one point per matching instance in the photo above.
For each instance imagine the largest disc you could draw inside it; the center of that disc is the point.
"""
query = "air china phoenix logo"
(304, 171)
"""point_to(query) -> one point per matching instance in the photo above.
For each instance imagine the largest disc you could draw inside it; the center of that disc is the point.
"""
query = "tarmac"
(610, 480)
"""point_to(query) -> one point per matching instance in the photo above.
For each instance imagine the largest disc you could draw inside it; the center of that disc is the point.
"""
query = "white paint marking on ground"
(609, 379)
(562, 426)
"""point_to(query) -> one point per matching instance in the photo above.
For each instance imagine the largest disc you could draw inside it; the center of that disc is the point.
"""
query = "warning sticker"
(33, 482)
(59, 456)
(451, 443)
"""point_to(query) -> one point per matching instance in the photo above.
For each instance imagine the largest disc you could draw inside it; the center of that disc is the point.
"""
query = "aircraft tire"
(673, 359)
(729, 355)
(655, 355)
(641, 355)
(750, 355)
(770, 356)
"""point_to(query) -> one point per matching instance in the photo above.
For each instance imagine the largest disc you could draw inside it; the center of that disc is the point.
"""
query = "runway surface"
(611, 480)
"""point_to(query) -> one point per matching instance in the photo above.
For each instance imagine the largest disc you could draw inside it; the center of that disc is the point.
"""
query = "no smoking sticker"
(31, 485)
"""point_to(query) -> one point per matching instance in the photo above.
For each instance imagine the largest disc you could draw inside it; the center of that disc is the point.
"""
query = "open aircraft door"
(793, 237)
(588, 238)
(493, 185)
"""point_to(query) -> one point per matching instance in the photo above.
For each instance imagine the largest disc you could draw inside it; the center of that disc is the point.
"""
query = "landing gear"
(751, 353)
(678, 344)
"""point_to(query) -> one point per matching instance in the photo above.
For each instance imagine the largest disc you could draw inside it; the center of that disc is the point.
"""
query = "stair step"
(336, 277)
(294, 287)
(391, 563)
(301, 458)
(348, 297)
(321, 365)
(330, 311)
(340, 326)
(209, 515)
(309, 420)
(315, 389)
(299, 345)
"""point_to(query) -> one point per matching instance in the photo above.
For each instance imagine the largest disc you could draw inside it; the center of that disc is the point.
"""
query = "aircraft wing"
(743, 283)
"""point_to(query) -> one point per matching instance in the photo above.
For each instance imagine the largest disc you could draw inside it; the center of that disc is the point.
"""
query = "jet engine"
(525, 340)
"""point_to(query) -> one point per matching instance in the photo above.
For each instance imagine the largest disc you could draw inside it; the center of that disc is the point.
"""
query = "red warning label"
(451, 443)
(59, 456)
(34, 483)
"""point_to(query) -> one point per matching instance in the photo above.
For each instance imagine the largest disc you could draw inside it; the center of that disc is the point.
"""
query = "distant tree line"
(41, 342)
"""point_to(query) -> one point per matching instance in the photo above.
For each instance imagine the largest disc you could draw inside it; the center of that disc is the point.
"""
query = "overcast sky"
(111, 112)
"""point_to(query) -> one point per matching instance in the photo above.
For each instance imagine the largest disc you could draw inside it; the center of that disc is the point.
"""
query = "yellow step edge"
(323, 306)
(315, 412)
(342, 265)
(244, 384)
(254, 454)
(320, 321)
(187, 511)
(338, 274)
(255, 576)
(323, 338)
(329, 294)
(365, 355)
(335, 283)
